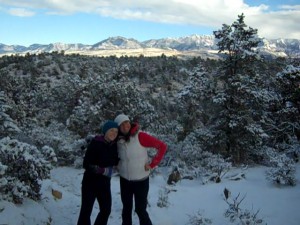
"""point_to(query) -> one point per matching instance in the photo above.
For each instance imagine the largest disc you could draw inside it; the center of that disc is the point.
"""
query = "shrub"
(163, 198)
(198, 219)
(282, 170)
(22, 167)
(236, 214)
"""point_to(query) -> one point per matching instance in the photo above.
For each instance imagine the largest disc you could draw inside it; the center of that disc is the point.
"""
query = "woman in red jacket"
(100, 158)
(134, 168)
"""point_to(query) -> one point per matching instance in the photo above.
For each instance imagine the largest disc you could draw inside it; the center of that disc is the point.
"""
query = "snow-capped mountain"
(117, 43)
(12, 48)
(37, 48)
(193, 42)
(291, 47)
(203, 43)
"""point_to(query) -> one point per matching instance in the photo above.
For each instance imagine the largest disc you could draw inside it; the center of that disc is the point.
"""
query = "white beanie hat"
(121, 118)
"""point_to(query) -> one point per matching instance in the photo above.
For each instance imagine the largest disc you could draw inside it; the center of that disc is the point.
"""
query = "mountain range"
(203, 45)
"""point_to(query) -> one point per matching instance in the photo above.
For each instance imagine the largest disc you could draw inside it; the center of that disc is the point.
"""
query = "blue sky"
(26, 22)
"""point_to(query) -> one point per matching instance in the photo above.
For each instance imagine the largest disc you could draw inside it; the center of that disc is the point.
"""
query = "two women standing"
(131, 156)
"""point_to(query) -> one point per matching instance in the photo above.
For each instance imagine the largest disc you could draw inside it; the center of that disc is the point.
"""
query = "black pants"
(95, 188)
(139, 191)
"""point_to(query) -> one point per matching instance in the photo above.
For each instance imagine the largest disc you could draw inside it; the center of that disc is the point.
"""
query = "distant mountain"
(190, 43)
(204, 44)
(117, 43)
(288, 47)
(37, 48)
(12, 48)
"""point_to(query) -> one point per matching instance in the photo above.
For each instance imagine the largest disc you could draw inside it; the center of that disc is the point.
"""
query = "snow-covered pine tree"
(102, 99)
(237, 127)
(239, 44)
(8, 126)
(284, 125)
(195, 100)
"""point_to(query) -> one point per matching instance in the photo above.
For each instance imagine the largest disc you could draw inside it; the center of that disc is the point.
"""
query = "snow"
(277, 205)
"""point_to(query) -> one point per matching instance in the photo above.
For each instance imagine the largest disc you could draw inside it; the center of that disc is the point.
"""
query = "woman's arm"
(149, 141)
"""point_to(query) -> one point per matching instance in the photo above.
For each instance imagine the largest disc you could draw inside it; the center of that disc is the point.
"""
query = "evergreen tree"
(103, 98)
(239, 45)
(195, 99)
(287, 115)
(8, 126)
(237, 127)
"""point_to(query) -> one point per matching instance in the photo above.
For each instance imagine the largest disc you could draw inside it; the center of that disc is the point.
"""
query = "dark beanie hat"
(108, 125)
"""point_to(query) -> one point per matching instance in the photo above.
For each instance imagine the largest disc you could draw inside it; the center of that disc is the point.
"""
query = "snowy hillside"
(276, 205)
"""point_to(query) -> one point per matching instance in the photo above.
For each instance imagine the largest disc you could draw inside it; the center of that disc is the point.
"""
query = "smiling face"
(111, 134)
(125, 127)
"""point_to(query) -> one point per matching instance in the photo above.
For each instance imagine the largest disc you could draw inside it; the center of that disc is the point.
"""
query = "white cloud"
(290, 7)
(212, 13)
(283, 23)
(21, 12)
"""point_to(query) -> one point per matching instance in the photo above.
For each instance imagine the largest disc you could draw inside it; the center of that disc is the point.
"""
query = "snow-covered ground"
(278, 205)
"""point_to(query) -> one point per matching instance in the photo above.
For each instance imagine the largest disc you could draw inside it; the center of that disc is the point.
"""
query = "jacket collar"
(133, 131)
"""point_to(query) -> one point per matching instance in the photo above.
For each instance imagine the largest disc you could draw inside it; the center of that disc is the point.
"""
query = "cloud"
(21, 12)
(211, 13)
(290, 7)
(282, 23)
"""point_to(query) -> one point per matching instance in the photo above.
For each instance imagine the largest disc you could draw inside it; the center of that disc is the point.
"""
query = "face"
(125, 127)
(111, 134)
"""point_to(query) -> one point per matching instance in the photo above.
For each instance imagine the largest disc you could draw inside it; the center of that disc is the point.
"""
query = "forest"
(241, 110)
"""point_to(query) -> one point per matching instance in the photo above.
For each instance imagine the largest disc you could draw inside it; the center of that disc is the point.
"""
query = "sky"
(27, 22)
(276, 205)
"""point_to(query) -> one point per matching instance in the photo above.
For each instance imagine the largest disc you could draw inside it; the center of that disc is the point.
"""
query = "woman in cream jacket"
(134, 168)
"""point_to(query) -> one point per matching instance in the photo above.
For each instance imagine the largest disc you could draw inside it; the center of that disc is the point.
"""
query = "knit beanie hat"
(121, 118)
(108, 125)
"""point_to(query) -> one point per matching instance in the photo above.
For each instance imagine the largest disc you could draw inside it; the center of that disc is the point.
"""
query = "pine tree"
(239, 45)
(287, 114)
(237, 127)
(195, 99)
(282, 120)
(8, 126)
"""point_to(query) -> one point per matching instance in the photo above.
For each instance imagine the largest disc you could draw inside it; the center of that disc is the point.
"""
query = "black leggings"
(139, 191)
(95, 188)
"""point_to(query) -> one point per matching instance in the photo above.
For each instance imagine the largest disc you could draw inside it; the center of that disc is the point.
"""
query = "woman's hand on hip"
(147, 167)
